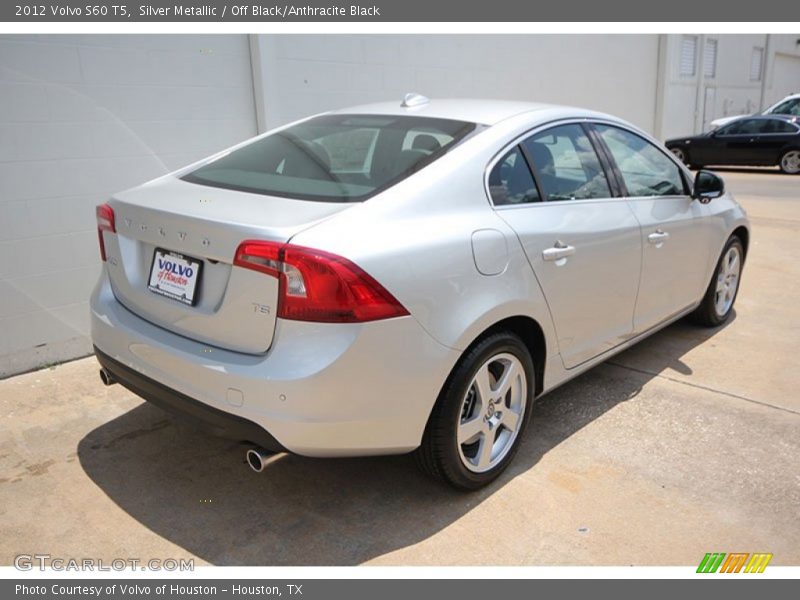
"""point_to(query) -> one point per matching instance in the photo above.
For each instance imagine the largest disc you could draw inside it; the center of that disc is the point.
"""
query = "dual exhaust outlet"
(256, 457)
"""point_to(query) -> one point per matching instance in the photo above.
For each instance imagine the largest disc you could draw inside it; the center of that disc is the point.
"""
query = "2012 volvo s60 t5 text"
(405, 276)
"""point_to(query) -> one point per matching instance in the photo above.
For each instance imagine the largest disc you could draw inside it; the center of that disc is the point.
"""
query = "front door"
(674, 245)
(734, 144)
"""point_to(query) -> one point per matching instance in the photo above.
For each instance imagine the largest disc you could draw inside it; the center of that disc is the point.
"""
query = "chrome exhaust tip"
(257, 459)
(107, 378)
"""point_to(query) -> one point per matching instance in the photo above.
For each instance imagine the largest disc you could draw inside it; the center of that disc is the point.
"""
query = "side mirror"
(707, 186)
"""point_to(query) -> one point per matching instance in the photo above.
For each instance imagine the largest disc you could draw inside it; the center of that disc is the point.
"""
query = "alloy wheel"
(790, 162)
(727, 281)
(492, 412)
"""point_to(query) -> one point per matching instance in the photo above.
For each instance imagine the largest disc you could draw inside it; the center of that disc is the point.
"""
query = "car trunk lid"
(233, 308)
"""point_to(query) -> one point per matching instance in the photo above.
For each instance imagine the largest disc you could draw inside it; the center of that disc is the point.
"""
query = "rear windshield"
(334, 158)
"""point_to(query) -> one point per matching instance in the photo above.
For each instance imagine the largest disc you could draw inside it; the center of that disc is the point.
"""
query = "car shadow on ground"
(197, 492)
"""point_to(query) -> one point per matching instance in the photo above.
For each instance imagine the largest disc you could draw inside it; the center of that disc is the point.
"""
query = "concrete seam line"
(703, 387)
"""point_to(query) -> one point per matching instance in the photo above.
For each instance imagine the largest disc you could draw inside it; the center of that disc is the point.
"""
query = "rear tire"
(476, 425)
(790, 162)
(681, 154)
(717, 304)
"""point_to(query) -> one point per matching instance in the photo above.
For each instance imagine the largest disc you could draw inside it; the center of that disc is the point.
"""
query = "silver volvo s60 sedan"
(405, 276)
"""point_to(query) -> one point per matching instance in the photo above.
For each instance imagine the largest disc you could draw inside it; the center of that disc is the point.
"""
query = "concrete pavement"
(684, 444)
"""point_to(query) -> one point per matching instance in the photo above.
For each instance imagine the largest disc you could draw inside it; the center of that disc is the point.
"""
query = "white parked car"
(788, 106)
(405, 276)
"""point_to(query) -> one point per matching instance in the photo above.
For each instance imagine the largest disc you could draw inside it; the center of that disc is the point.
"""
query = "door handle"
(658, 237)
(558, 251)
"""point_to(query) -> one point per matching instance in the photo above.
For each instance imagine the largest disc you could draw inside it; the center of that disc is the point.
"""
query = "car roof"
(787, 118)
(485, 112)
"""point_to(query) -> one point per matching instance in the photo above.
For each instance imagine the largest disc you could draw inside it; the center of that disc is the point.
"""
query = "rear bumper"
(202, 416)
(321, 389)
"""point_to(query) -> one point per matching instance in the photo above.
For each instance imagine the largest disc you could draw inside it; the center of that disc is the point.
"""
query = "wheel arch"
(744, 235)
(530, 332)
(435, 454)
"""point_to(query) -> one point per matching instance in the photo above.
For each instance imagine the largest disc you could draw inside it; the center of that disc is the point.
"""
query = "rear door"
(776, 135)
(583, 243)
(675, 228)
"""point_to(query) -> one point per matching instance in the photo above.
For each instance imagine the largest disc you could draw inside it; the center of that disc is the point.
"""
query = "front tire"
(475, 427)
(790, 162)
(717, 304)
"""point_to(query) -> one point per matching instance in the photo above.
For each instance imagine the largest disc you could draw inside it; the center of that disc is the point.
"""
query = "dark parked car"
(756, 141)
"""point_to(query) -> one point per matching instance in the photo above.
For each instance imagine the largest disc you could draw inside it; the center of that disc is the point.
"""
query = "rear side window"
(776, 126)
(566, 164)
(334, 158)
(646, 170)
(511, 182)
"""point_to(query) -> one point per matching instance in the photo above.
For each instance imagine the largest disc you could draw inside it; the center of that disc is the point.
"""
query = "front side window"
(334, 158)
(511, 182)
(730, 129)
(646, 170)
(566, 164)
(753, 126)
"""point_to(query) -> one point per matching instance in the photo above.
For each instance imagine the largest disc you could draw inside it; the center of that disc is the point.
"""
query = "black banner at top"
(33, 11)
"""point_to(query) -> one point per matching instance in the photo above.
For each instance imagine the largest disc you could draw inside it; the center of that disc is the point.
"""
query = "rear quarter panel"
(416, 240)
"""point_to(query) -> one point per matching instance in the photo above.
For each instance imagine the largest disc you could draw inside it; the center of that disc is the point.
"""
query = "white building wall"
(735, 92)
(81, 117)
(304, 74)
(691, 102)
(783, 68)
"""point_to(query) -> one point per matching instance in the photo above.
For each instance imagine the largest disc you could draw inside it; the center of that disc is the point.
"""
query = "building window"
(756, 64)
(688, 55)
(710, 59)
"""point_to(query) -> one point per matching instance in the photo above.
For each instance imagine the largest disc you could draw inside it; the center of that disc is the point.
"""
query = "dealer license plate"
(175, 276)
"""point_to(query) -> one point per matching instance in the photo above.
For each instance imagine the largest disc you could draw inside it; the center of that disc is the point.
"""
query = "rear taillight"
(105, 222)
(318, 286)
